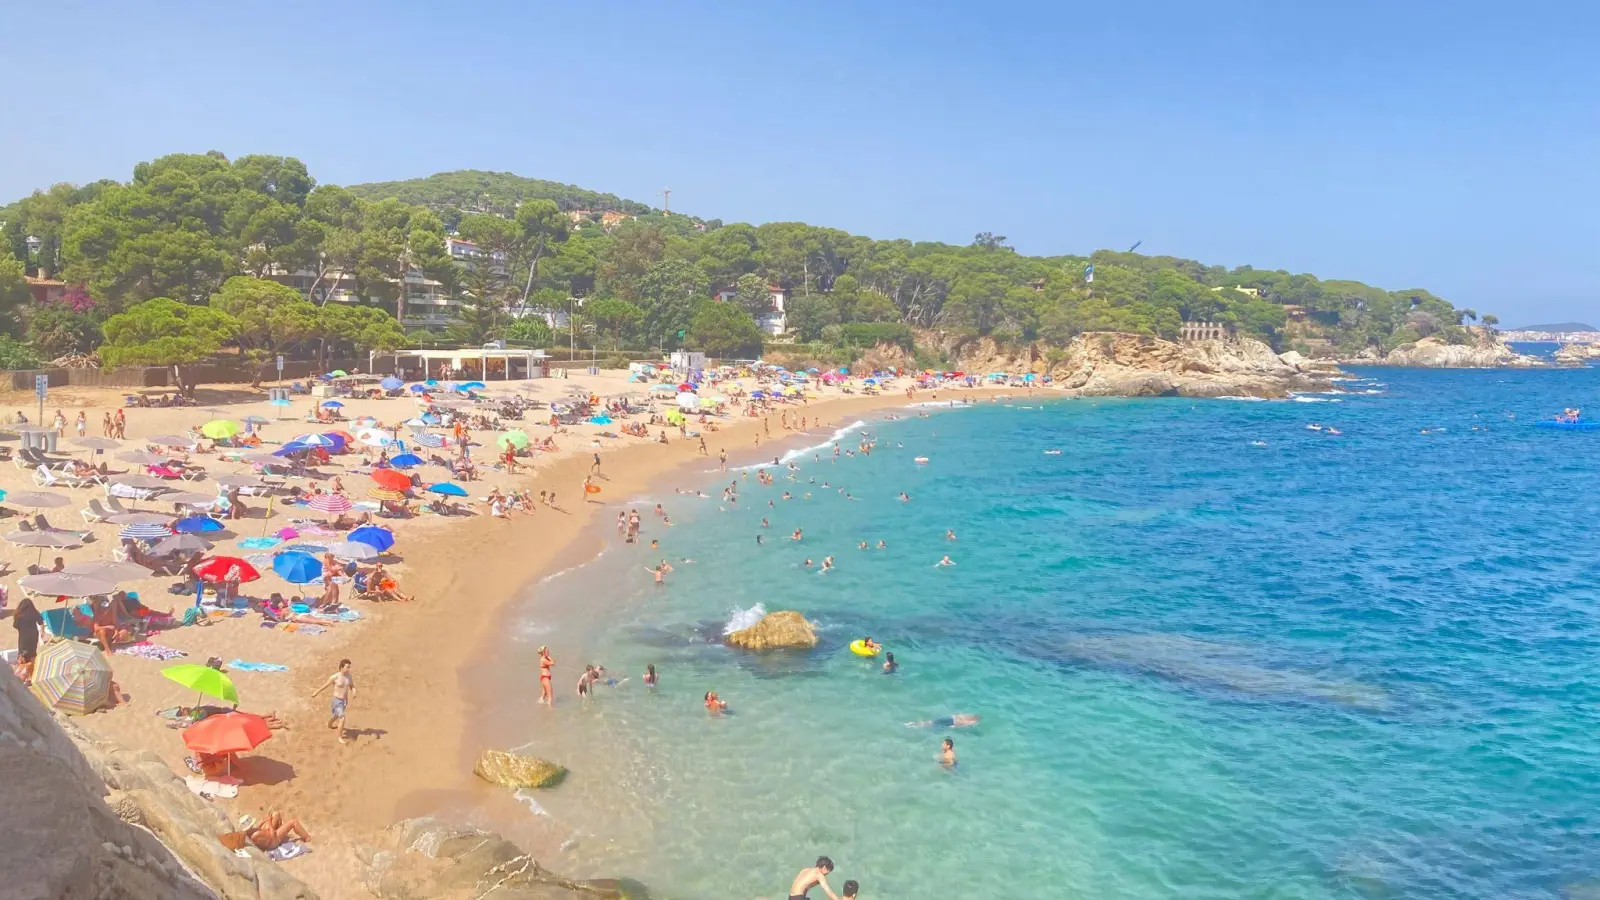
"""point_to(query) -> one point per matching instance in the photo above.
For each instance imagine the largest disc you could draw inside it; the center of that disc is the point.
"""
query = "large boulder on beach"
(514, 770)
(782, 630)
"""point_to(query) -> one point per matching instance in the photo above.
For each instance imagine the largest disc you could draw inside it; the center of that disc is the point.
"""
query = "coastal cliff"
(1577, 354)
(1117, 364)
(1485, 349)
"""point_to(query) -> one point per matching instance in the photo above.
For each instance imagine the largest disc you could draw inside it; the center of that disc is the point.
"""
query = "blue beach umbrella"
(377, 536)
(318, 440)
(281, 401)
(391, 383)
(198, 525)
(296, 567)
(600, 420)
(431, 382)
(448, 489)
(433, 441)
(405, 460)
(470, 385)
(416, 389)
(332, 404)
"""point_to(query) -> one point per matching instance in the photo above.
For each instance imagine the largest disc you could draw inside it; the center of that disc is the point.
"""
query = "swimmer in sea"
(949, 534)
(945, 561)
(714, 704)
(889, 665)
(882, 545)
(959, 720)
(815, 876)
(796, 536)
(827, 563)
(758, 540)
(947, 754)
(650, 679)
(862, 545)
(904, 498)
(808, 562)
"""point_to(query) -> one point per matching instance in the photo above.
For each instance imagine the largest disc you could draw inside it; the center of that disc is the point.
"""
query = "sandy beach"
(410, 750)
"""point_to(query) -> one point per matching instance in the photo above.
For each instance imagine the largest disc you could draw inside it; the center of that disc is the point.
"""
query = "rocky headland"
(1485, 349)
(1577, 354)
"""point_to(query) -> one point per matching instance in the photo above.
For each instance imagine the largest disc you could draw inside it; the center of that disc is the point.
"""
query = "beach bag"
(234, 840)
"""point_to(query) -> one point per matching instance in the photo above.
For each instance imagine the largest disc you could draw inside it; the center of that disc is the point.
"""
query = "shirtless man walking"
(344, 687)
(815, 876)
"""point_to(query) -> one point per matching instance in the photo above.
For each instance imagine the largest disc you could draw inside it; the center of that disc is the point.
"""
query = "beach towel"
(210, 789)
(260, 543)
(288, 850)
(240, 665)
(343, 615)
(304, 629)
(147, 650)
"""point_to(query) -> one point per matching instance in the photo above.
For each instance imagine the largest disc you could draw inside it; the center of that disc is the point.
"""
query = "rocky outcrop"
(1115, 364)
(1577, 354)
(66, 835)
(1484, 350)
(425, 859)
(783, 630)
(515, 771)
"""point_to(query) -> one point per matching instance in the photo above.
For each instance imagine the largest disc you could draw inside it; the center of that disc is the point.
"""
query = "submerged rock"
(782, 630)
(516, 771)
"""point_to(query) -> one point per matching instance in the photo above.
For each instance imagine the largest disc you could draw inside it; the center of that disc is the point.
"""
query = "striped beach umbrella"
(432, 441)
(72, 677)
(145, 531)
(386, 494)
(333, 504)
(315, 440)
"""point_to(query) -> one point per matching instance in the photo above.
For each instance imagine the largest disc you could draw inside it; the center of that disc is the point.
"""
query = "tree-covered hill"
(453, 194)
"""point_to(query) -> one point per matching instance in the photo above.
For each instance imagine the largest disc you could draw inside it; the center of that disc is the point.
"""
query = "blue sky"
(1453, 146)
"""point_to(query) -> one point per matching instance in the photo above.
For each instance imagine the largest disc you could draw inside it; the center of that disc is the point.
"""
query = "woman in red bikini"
(546, 694)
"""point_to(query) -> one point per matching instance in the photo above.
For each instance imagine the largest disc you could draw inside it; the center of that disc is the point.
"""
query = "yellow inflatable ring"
(859, 648)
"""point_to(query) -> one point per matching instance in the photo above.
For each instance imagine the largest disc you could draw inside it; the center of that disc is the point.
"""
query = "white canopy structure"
(482, 363)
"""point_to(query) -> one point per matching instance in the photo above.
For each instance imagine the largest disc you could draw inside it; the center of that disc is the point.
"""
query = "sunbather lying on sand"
(274, 830)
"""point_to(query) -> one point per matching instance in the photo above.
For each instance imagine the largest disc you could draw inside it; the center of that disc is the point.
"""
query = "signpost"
(41, 386)
(280, 367)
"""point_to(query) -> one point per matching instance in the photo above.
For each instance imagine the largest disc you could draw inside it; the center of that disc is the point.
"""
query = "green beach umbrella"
(515, 439)
(219, 429)
(204, 679)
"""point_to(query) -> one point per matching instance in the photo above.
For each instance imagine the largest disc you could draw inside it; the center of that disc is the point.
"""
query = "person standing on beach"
(594, 467)
(814, 876)
(722, 459)
(546, 693)
(344, 688)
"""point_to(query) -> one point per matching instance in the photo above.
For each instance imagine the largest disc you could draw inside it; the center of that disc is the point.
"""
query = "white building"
(774, 320)
(425, 303)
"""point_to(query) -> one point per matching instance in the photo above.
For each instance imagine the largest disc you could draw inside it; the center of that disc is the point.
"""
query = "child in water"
(947, 754)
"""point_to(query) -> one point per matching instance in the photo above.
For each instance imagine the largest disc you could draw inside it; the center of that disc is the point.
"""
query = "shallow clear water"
(1359, 666)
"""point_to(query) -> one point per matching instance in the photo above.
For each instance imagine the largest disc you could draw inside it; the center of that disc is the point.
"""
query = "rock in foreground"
(426, 858)
(783, 630)
(515, 771)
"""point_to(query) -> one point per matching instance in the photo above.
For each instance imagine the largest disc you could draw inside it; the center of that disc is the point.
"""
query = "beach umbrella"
(389, 478)
(139, 482)
(332, 504)
(178, 543)
(107, 569)
(38, 500)
(204, 680)
(375, 536)
(172, 440)
(471, 385)
(239, 480)
(353, 550)
(70, 584)
(386, 494)
(138, 518)
(332, 404)
(405, 460)
(417, 389)
(189, 498)
(144, 457)
(448, 489)
(255, 420)
(297, 568)
(372, 437)
(226, 568)
(663, 389)
(145, 532)
(290, 449)
(391, 383)
(517, 439)
(599, 420)
(59, 540)
(231, 732)
(687, 386)
(218, 429)
(344, 438)
(431, 383)
(198, 525)
(708, 402)
(97, 443)
(431, 441)
(315, 440)
(338, 373)
(688, 401)
(72, 677)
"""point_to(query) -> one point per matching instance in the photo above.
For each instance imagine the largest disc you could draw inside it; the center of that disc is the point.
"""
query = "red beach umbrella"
(394, 481)
(233, 732)
(218, 569)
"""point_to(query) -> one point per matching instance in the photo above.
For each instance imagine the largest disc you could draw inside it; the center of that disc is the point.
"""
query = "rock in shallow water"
(515, 771)
(783, 630)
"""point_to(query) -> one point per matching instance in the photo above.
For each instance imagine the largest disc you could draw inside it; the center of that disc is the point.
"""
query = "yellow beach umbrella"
(385, 494)
(219, 429)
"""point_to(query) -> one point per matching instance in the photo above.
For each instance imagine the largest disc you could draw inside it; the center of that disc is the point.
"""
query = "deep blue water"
(1354, 666)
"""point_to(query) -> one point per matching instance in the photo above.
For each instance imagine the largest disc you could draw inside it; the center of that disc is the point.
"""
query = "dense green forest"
(185, 228)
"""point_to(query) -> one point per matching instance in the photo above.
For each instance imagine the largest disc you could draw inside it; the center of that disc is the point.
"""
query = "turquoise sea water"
(1355, 666)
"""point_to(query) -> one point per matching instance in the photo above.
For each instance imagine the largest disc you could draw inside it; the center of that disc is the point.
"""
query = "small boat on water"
(1568, 425)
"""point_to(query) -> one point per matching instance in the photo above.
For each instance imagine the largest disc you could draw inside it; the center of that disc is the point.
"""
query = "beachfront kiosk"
(482, 363)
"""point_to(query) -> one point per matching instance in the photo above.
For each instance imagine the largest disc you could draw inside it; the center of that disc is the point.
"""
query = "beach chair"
(94, 512)
(24, 525)
(112, 503)
(41, 523)
(60, 624)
